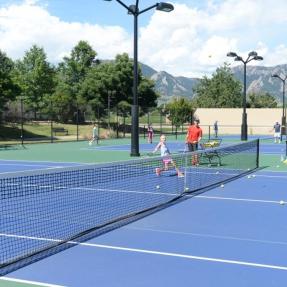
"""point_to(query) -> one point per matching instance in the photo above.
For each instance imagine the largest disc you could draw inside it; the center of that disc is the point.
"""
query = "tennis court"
(231, 233)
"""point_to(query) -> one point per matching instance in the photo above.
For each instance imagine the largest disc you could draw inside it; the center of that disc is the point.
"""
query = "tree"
(8, 88)
(35, 76)
(261, 100)
(114, 79)
(71, 75)
(222, 90)
(179, 111)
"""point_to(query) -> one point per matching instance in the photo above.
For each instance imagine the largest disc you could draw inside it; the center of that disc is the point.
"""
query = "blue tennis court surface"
(233, 235)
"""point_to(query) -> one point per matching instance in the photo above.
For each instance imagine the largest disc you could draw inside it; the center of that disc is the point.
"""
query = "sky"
(190, 41)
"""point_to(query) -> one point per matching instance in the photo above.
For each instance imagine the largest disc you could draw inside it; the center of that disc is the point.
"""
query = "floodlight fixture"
(252, 54)
(165, 7)
(231, 54)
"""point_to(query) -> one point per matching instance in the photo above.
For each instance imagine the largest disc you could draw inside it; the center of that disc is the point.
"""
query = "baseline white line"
(29, 282)
(170, 254)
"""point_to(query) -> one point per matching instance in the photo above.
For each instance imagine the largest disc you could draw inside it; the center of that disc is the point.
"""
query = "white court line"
(37, 161)
(271, 171)
(28, 170)
(207, 235)
(16, 164)
(156, 193)
(170, 254)
(237, 199)
(272, 176)
(29, 282)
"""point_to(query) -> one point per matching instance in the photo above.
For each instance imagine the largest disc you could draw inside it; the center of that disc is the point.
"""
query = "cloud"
(193, 41)
(188, 41)
(23, 25)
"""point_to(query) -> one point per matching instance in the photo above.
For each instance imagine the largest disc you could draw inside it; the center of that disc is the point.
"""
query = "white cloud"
(187, 41)
(193, 42)
(23, 25)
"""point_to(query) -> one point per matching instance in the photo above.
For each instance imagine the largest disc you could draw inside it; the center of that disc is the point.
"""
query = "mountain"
(258, 79)
(169, 86)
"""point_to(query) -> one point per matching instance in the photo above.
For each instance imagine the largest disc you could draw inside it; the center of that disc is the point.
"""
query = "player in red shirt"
(193, 137)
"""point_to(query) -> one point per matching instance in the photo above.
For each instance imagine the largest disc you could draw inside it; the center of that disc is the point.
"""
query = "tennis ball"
(222, 185)
(249, 176)
(282, 202)
(253, 175)
(186, 189)
(158, 187)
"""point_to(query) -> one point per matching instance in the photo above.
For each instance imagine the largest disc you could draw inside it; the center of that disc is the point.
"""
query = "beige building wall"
(260, 121)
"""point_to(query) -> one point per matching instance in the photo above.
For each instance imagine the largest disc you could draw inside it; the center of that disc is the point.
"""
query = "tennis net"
(45, 212)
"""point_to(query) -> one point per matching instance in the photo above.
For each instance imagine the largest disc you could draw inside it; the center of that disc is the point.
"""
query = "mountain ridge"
(258, 79)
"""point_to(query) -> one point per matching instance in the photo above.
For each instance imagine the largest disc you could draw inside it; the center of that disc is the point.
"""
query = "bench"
(6, 146)
(60, 130)
(211, 153)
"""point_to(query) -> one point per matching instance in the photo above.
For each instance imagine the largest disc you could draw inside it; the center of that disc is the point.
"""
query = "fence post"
(209, 132)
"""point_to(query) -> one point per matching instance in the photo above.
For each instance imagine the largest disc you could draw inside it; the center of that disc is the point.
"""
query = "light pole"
(22, 121)
(251, 56)
(134, 10)
(283, 123)
(110, 99)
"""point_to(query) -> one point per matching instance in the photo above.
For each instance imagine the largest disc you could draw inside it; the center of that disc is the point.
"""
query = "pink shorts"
(167, 160)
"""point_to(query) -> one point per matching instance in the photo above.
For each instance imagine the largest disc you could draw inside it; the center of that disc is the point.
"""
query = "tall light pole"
(22, 120)
(251, 56)
(283, 123)
(134, 10)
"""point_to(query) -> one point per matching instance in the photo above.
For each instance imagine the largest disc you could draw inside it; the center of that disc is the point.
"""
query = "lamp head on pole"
(231, 54)
(238, 58)
(258, 58)
(252, 54)
(165, 7)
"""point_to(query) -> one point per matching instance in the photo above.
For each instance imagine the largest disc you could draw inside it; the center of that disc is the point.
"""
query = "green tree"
(179, 111)
(71, 75)
(114, 79)
(8, 88)
(97, 87)
(261, 100)
(35, 76)
(222, 90)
